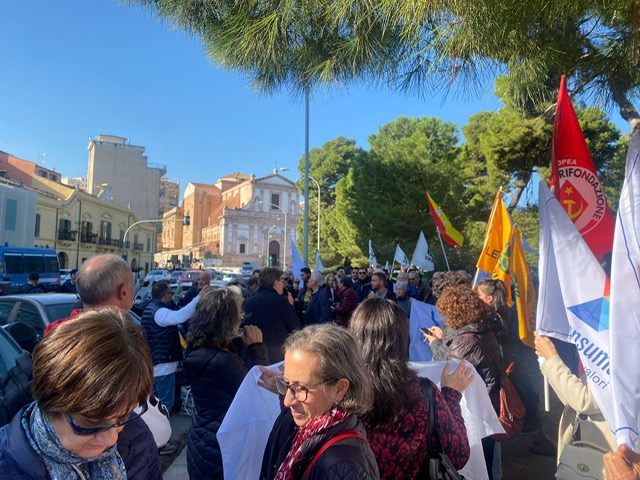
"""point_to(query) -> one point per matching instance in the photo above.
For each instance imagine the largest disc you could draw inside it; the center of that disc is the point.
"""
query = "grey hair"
(339, 357)
(318, 278)
(402, 284)
(100, 277)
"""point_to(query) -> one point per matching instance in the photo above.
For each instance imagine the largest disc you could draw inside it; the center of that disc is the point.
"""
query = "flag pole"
(443, 251)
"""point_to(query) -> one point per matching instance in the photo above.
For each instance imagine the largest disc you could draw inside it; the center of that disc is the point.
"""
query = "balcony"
(69, 235)
(138, 246)
(110, 242)
(89, 238)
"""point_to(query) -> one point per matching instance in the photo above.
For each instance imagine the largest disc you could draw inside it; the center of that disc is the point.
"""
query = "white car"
(157, 275)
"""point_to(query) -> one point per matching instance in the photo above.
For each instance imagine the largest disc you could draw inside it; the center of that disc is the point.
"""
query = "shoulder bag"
(581, 459)
(331, 441)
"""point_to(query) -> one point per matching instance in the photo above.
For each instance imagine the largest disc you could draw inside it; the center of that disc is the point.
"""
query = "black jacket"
(215, 377)
(272, 314)
(464, 343)
(164, 342)
(348, 459)
(18, 461)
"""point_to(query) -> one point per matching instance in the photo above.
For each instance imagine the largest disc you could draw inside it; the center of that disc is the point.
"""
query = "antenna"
(41, 156)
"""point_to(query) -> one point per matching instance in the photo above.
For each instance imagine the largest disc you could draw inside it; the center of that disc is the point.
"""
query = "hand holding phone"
(426, 331)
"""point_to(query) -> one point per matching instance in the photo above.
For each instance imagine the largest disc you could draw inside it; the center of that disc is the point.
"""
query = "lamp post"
(266, 257)
(317, 185)
(285, 232)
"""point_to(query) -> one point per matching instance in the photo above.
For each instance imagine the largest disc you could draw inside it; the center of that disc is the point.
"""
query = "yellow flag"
(525, 292)
(502, 268)
(497, 238)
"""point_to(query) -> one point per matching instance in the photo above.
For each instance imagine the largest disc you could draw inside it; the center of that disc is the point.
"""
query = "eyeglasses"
(298, 391)
(362, 273)
(78, 430)
(284, 279)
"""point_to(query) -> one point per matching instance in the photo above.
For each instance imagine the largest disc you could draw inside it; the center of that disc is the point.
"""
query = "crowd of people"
(352, 406)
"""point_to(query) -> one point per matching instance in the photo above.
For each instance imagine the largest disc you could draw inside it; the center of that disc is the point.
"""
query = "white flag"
(567, 263)
(372, 257)
(401, 258)
(319, 266)
(625, 306)
(386, 265)
(421, 257)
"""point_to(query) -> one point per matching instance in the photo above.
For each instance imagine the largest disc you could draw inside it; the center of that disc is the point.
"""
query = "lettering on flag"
(574, 180)
(497, 239)
(401, 258)
(581, 294)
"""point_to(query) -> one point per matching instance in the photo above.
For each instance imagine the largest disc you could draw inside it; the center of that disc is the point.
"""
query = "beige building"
(132, 180)
(239, 218)
(79, 183)
(79, 226)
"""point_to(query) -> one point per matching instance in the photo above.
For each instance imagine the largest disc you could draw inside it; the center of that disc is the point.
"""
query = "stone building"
(239, 218)
(169, 195)
(124, 167)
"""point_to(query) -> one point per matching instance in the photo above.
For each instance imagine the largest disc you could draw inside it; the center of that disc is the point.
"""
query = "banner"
(297, 262)
(625, 305)
(524, 289)
(421, 257)
(585, 321)
(574, 180)
(401, 258)
(319, 266)
(422, 315)
(447, 232)
(372, 257)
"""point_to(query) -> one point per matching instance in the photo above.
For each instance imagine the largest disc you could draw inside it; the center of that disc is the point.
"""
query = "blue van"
(16, 263)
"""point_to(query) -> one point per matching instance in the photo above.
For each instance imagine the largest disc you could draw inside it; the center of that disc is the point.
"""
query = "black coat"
(463, 343)
(272, 314)
(348, 459)
(215, 377)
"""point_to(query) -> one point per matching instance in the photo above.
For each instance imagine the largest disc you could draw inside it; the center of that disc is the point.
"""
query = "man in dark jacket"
(379, 287)
(319, 309)
(160, 321)
(271, 312)
(348, 301)
(33, 284)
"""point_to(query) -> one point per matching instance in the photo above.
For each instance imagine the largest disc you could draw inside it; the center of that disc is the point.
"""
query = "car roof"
(44, 298)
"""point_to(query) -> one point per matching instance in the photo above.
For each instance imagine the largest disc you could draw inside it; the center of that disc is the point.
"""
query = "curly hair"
(460, 306)
(448, 279)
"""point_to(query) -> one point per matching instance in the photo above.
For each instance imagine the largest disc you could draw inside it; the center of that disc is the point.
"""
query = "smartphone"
(426, 331)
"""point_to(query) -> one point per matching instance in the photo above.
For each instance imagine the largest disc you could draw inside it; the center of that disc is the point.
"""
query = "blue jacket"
(319, 309)
(164, 342)
(18, 461)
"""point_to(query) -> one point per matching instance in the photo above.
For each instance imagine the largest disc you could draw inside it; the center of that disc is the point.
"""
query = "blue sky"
(79, 68)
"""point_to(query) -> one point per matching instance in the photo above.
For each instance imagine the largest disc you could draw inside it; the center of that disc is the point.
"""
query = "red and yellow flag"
(447, 232)
(574, 180)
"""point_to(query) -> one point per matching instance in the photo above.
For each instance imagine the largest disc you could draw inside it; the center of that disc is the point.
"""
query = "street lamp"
(317, 185)
(267, 246)
(285, 231)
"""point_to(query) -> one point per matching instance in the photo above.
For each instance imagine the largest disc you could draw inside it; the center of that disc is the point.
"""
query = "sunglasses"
(79, 430)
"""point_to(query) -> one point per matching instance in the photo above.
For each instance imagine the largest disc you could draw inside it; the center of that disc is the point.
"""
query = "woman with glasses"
(215, 371)
(325, 387)
(398, 423)
(88, 376)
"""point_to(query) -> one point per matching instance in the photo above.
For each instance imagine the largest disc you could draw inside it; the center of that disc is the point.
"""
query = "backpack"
(15, 388)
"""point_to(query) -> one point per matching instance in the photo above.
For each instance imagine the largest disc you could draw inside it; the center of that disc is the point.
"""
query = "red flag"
(574, 180)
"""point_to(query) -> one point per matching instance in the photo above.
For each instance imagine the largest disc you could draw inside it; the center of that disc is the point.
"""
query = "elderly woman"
(398, 424)
(325, 386)
(468, 336)
(215, 371)
(89, 375)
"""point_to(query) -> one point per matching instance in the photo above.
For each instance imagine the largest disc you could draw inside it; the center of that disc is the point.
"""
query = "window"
(11, 216)
(34, 263)
(64, 225)
(13, 264)
(275, 201)
(87, 228)
(37, 230)
(29, 314)
(243, 248)
(105, 230)
(122, 234)
(148, 243)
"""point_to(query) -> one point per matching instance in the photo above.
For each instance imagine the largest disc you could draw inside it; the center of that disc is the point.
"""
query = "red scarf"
(306, 432)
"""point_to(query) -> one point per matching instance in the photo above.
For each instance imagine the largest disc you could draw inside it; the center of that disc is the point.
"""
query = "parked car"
(65, 274)
(37, 310)
(9, 351)
(175, 275)
(157, 275)
(189, 276)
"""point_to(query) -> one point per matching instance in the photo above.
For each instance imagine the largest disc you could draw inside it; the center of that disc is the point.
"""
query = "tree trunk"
(517, 193)
(627, 110)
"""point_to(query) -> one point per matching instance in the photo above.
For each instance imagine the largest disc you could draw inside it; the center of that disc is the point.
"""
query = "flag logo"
(594, 313)
(576, 183)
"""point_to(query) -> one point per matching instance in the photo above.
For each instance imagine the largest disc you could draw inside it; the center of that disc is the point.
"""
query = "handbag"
(438, 466)
(580, 459)
(512, 410)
